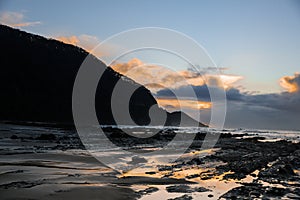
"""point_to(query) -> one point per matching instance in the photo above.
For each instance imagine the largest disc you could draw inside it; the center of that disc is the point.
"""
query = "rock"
(48, 136)
(185, 189)
(278, 170)
(195, 161)
(179, 189)
(150, 173)
(14, 137)
(147, 191)
(192, 176)
(137, 160)
(254, 191)
(184, 197)
(165, 168)
(202, 189)
(276, 192)
(20, 184)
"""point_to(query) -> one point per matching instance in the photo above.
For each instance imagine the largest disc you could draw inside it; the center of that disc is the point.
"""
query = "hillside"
(37, 77)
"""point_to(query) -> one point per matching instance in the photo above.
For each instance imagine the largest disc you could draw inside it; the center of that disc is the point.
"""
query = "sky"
(255, 42)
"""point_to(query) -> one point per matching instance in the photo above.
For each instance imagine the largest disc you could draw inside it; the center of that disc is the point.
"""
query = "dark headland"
(37, 76)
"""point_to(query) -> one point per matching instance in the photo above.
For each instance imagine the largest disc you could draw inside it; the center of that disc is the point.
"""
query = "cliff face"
(37, 77)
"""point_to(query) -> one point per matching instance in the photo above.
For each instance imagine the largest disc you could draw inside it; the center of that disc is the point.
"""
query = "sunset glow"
(182, 103)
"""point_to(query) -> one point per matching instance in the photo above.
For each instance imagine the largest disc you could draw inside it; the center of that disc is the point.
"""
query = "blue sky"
(258, 40)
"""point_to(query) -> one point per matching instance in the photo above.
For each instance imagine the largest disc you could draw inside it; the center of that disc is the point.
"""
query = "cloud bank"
(244, 108)
(157, 77)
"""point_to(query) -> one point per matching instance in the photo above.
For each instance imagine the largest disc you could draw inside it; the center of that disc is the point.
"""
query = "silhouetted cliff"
(37, 77)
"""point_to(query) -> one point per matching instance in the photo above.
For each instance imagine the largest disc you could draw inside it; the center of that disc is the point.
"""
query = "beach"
(41, 161)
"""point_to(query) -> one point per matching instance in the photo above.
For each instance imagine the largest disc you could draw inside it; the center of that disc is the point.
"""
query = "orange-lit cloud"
(87, 42)
(123, 68)
(155, 75)
(15, 19)
(69, 40)
(229, 80)
(291, 83)
(175, 104)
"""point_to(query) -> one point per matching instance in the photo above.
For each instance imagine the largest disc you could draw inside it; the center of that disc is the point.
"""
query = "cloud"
(69, 40)
(15, 19)
(260, 117)
(84, 41)
(245, 109)
(272, 111)
(289, 101)
(89, 43)
(188, 90)
(200, 92)
(156, 77)
(291, 83)
(182, 104)
(123, 68)
(185, 90)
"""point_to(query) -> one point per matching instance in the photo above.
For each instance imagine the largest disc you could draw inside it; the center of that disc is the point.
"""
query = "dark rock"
(276, 192)
(206, 176)
(165, 168)
(185, 189)
(201, 189)
(234, 176)
(48, 136)
(256, 191)
(286, 170)
(150, 173)
(243, 157)
(183, 197)
(195, 161)
(192, 176)
(137, 160)
(279, 170)
(179, 189)
(20, 184)
(147, 191)
(254, 139)
(74, 175)
(14, 137)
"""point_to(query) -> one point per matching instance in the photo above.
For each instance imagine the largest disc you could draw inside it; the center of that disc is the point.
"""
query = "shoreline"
(50, 162)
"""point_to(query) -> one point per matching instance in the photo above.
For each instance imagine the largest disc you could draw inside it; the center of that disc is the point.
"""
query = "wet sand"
(47, 162)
